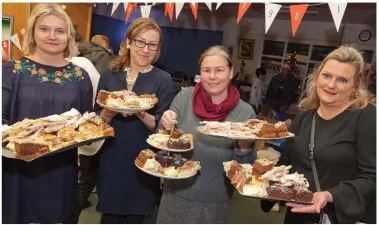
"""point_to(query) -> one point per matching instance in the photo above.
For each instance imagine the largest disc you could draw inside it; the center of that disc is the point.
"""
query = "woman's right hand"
(107, 115)
(169, 119)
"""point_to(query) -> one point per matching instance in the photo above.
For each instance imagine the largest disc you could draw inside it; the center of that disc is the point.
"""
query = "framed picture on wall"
(246, 49)
(7, 25)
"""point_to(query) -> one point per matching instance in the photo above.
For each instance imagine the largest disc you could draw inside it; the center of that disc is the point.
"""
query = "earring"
(127, 47)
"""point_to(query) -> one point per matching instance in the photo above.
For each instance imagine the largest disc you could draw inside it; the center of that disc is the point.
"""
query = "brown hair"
(217, 50)
(138, 27)
(39, 11)
(344, 54)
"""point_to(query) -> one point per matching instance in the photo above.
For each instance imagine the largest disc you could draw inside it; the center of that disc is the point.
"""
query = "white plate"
(163, 176)
(150, 142)
(125, 110)
(252, 137)
(272, 199)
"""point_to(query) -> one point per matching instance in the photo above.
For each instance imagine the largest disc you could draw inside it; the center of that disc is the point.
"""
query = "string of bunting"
(297, 11)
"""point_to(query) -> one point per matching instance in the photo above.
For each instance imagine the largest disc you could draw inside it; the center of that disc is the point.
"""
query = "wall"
(309, 32)
(19, 12)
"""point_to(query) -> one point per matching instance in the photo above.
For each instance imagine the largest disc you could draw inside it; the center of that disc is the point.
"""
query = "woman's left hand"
(244, 145)
(319, 202)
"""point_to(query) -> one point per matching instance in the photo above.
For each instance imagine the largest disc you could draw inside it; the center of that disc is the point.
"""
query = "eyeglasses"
(142, 44)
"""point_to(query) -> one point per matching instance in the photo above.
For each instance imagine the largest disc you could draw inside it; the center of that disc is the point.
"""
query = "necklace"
(131, 80)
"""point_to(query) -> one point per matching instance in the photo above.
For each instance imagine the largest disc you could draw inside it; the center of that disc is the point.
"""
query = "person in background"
(257, 89)
(40, 84)
(87, 167)
(125, 193)
(281, 93)
(98, 51)
(204, 198)
(344, 143)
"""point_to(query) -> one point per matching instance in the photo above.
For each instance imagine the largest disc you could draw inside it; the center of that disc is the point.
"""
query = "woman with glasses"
(125, 193)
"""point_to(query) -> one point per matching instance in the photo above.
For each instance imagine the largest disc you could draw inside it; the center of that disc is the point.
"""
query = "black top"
(281, 92)
(41, 191)
(345, 158)
(122, 188)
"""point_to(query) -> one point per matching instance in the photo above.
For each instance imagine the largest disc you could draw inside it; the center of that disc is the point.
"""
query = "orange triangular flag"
(129, 10)
(169, 8)
(194, 9)
(242, 8)
(5, 45)
(297, 13)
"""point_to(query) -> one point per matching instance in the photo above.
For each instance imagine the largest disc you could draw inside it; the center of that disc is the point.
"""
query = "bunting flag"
(131, 7)
(145, 11)
(218, 5)
(22, 32)
(271, 10)
(125, 7)
(194, 7)
(209, 5)
(297, 13)
(337, 10)
(178, 8)
(169, 9)
(15, 40)
(5, 45)
(242, 8)
(114, 7)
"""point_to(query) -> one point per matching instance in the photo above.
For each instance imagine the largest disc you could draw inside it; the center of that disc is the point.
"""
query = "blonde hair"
(219, 51)
(344, 54)
(39, 11)
(139, 26)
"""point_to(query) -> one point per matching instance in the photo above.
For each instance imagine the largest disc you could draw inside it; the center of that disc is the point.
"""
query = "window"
(302, 51)
(273, 48)
(367, 56)
(320, 52)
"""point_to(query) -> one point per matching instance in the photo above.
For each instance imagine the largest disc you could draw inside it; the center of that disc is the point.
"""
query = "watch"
(365, 35)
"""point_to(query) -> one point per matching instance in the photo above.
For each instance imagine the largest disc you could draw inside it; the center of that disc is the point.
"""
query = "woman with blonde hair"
(126, 194)
(40, 84)
(204, 198)
(334, 143)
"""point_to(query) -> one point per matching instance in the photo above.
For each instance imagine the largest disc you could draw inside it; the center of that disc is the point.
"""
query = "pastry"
(261, 166)
(280, 192)
(258, 190)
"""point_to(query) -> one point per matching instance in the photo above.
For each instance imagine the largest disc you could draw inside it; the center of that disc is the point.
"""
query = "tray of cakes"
(168, 167)
(126, 101)
(252, 129)
(264, 181)
(175, 141)
(35, 138)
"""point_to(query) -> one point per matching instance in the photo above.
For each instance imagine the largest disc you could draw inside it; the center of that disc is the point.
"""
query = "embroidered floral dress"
(41, 191)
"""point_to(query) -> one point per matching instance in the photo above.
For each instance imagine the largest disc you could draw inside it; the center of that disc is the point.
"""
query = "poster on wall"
(7, 24)
(246, 49)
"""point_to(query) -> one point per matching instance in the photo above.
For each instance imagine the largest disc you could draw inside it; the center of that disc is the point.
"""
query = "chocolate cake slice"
(302, 194)
(280, 192)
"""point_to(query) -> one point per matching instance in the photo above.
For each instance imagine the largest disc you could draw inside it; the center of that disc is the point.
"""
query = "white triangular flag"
(209, 4)
(125, 6)
(271, 10)
(178, 8)
(114, 7)
(145, 11)
(193, 4)
(218, 5)
(337, 9)
(15, 40)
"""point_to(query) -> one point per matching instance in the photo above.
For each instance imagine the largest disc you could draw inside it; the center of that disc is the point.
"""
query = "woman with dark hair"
(126, 194)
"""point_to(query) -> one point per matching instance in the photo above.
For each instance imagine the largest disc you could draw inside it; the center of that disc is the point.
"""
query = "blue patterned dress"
(44, 190)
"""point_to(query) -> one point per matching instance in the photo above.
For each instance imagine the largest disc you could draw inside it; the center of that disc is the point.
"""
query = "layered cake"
(280, 192)
(261, 166)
